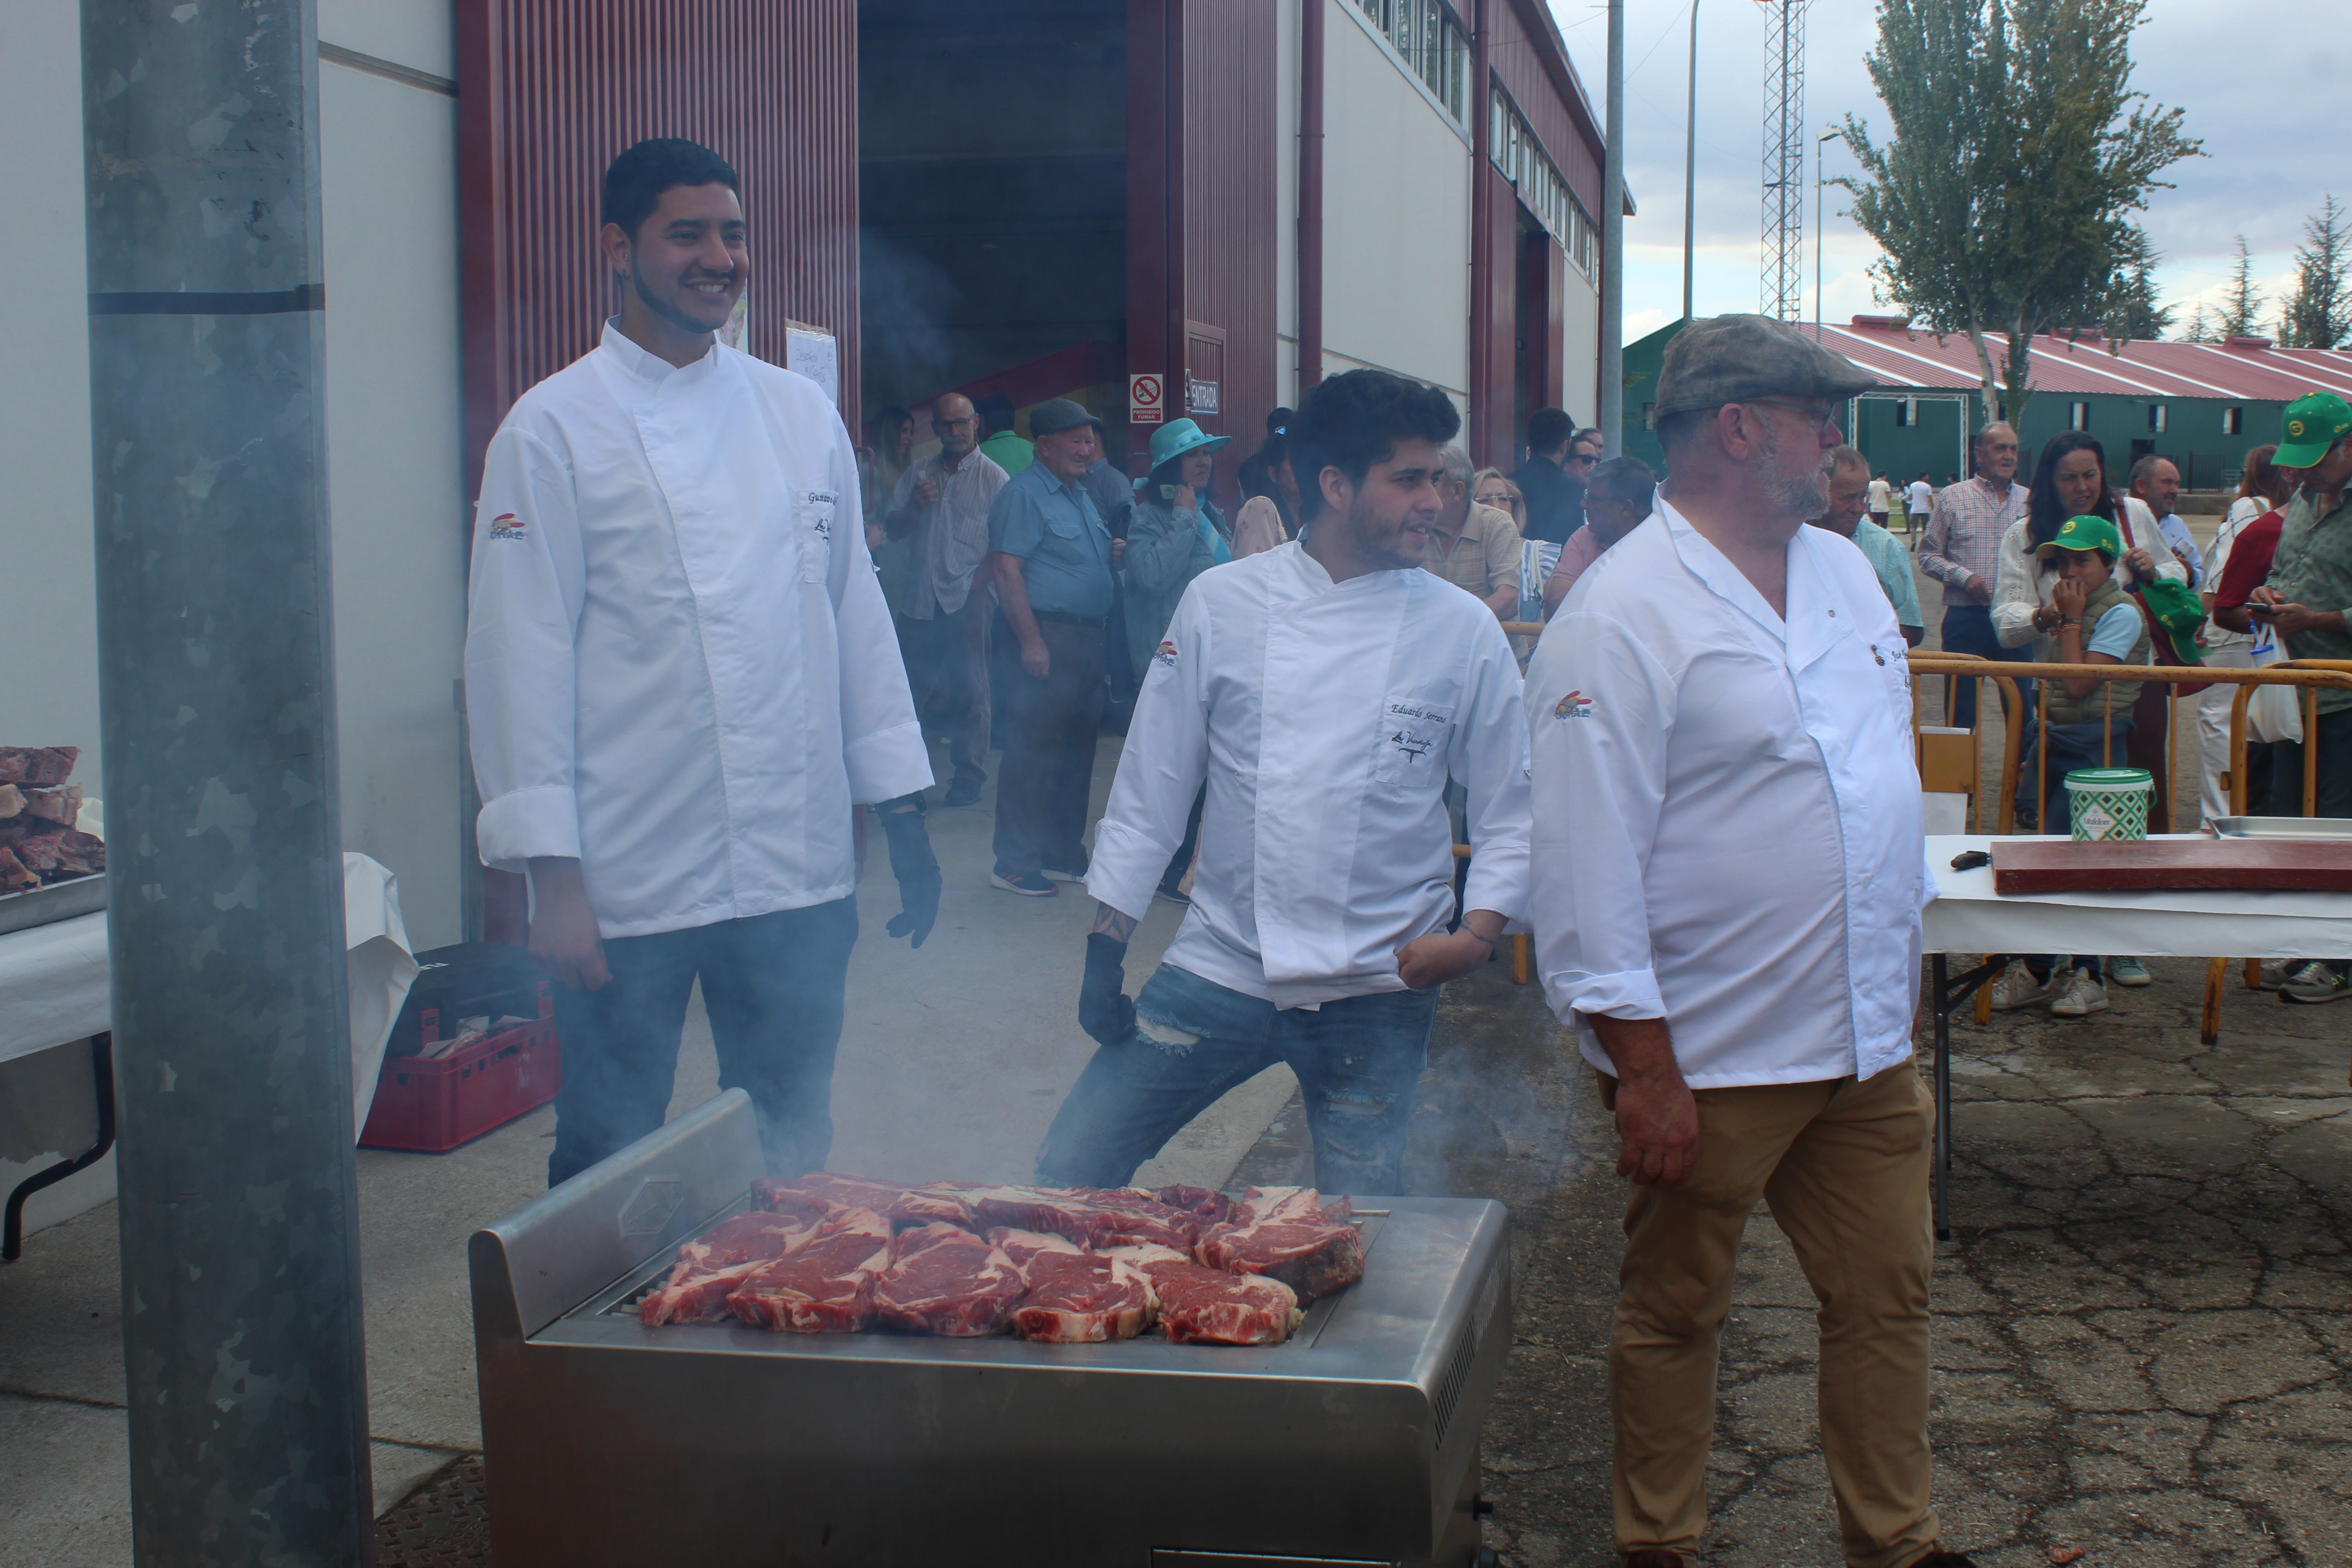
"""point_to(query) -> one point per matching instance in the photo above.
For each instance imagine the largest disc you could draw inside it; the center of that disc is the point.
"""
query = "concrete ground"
(952, 1062)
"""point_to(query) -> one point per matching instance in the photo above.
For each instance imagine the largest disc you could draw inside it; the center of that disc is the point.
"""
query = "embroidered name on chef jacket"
(1414, 730)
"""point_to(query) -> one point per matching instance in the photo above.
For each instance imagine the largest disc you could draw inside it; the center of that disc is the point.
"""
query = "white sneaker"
(2079, 996)
(2015, 987)
(2128, 971)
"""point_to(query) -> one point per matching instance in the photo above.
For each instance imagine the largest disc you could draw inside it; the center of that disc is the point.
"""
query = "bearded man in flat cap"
(1725, 891)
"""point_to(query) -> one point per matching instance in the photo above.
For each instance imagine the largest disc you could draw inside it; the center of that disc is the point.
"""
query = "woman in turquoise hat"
(1176, 534)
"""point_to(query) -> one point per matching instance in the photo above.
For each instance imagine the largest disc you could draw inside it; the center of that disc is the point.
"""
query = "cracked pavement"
(2143, 1333)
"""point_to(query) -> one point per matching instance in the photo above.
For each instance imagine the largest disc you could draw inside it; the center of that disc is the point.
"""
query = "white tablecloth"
(54, 978)
(1971, 918)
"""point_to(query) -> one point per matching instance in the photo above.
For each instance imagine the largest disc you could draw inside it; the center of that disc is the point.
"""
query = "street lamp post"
(1690, 163)
(1824, 139)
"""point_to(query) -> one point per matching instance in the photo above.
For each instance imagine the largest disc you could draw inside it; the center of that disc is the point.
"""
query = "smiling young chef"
(680, 673)
(1325, 690)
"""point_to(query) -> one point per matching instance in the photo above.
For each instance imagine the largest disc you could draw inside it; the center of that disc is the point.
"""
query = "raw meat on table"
(939, 1202)
(842, 1192)
(710, 1266)
(1206, 1305)
(1289, 1234)
(1024, 1246)
(945, 1280)
(1083, 1298)
(1210, 1207)
(825, 1286)
(36, 764)
(61, 803)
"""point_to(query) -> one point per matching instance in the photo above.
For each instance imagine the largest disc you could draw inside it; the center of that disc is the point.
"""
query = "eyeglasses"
(1818, 416)
(1583, 458)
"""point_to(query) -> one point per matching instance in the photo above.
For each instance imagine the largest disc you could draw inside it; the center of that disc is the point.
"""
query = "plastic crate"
(430, 1105)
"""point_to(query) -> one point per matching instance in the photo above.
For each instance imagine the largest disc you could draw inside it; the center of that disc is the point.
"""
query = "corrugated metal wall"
(1230, 207)
(1525, 67)
(551, 89)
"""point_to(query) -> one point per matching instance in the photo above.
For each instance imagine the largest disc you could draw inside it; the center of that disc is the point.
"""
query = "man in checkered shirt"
(1960, 547)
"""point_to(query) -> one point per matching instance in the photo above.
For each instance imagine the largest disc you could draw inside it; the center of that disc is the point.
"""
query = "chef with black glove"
(681, 680)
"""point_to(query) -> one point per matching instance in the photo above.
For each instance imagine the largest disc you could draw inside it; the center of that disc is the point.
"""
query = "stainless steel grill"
(606, 1442)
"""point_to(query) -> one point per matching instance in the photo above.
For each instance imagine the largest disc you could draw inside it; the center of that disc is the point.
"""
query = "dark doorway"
(1531, 318)
(993, 202)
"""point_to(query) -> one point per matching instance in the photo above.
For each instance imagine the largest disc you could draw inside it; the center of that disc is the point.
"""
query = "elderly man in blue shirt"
(1051, 557)
(1888, 556)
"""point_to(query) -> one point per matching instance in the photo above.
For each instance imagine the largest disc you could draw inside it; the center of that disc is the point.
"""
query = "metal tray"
(58, 901)
(2336, 828)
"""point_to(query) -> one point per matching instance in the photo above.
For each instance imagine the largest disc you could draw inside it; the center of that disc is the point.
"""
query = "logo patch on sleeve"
(1575, 705)
(506, 525)
(1165, 654)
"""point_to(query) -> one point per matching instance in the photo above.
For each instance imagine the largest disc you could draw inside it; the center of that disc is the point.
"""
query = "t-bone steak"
(1206, 1305)
(945, 1280)
(825, 1286)
(1290, 1234)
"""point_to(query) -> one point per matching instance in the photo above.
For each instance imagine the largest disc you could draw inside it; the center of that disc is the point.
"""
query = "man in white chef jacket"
(1727, 889)
(1325, 692)
(680, 679)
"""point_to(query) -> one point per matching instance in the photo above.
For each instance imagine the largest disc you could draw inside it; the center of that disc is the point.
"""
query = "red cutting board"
(2261, 865)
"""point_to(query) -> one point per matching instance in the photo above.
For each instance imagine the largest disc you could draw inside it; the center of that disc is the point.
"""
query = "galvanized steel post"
(1612, 245)
(238, 1210)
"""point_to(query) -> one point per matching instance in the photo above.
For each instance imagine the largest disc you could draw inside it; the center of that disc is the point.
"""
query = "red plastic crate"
(432, 1106)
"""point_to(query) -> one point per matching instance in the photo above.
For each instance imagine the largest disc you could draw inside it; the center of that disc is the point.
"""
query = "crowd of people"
(705, 626)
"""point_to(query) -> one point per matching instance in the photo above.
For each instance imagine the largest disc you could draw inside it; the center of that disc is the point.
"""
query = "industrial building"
(2204, 405)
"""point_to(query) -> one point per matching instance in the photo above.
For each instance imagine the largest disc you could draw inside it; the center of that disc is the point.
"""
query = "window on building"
(1906, 413)
(2078, 416)
(1541, 189)
(2233, 422)
(2156, 417)
(1434, 45)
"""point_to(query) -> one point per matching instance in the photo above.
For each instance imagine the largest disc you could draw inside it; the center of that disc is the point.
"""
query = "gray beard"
(1805, 498)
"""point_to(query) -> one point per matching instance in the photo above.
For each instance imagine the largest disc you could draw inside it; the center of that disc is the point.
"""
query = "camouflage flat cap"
(1732, 359)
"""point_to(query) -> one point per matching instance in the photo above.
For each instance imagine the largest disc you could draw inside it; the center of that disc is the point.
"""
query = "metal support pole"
(1690, 164)
(1612, 245)
(246, 1373)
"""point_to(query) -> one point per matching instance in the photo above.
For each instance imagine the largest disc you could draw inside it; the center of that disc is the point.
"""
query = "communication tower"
(1784, 159)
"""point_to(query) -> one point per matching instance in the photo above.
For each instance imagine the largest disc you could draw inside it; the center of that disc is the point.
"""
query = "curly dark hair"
(1355, 419)
(2045, 513)
(634, 180)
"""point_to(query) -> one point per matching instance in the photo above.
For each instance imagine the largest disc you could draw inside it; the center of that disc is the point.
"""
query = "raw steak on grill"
(1208, 1307)
(1024, 1245)
(710, 1266)
(1082, 1298)
(1032, 1208)
(36, 764)
(825, 1286)
(1126, 1215)
(1290, 1234)
(1210, 1207)
(841, 1192)
(946, 1281)
(942, 1203)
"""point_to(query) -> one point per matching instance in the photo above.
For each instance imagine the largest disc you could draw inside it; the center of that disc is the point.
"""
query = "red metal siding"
(551, 89)
(1524, 54)
(1201, 210)
(1494, 440)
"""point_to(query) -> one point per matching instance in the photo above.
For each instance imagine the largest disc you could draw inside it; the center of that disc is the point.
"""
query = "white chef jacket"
(680, 668)
(1326, 718)
(1727, 810)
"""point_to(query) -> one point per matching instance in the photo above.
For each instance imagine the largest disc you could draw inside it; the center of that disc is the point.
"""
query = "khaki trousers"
(1844, 1166)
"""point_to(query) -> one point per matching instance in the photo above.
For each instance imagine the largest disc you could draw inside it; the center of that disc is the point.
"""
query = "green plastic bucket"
(2109, 804)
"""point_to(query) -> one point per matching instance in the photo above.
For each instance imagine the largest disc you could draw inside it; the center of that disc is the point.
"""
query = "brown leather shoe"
(1654, 1557)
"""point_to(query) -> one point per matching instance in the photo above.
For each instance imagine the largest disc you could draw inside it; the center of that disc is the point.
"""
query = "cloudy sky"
(2257, 96)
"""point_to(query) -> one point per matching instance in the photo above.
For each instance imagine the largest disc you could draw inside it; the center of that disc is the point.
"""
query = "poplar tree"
(2242, 307)
(2002, 197)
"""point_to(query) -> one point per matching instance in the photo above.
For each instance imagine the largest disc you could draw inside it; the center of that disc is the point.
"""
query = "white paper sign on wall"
(1147, 398)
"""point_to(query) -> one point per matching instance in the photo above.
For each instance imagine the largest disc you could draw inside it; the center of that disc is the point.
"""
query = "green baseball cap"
(2315, 422)
(2086, 533)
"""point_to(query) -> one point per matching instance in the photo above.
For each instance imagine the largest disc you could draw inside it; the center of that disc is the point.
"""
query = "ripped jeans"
(1357, 1059)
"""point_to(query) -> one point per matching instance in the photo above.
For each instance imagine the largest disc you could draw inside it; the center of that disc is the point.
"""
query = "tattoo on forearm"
(1113, 924)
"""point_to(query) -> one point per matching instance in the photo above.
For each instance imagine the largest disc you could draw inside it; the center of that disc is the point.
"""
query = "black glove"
(916, 868)
(1105, 1010)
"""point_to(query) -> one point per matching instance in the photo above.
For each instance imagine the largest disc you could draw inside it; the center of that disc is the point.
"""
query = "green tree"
(2130, 313)
(2002, 199)
(2200, 327)
(2318, 313)
(2240, 315)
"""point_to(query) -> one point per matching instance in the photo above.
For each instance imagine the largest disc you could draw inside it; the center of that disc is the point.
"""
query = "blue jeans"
(1359, 1060)
(772, 986)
